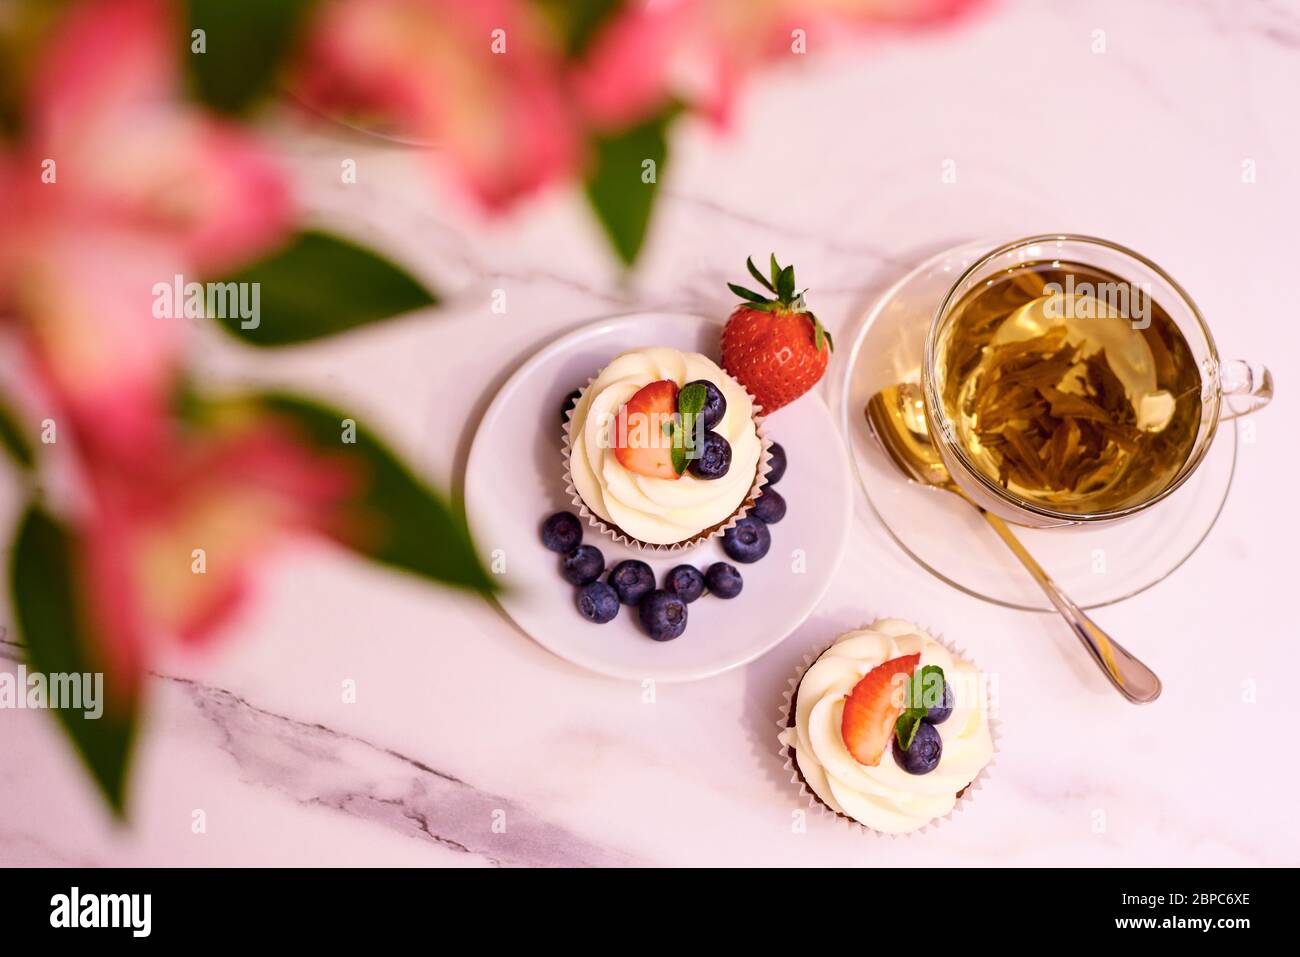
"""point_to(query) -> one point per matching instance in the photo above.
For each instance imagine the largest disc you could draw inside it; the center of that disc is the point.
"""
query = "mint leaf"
(679, 457)
(905, 728)
(690, 401)
(680, 446)
(924, 691)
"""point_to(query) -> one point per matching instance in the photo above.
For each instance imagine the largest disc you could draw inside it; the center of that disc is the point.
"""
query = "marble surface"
(469, 745)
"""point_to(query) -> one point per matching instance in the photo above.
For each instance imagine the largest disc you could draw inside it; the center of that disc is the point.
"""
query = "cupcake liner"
(622, 537)
(787, 752)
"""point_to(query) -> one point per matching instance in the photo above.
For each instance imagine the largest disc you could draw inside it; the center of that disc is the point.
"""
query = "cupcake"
(887, 728)
(663, 450)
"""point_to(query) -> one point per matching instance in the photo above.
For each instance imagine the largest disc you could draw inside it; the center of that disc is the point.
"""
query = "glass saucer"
(1096, 566)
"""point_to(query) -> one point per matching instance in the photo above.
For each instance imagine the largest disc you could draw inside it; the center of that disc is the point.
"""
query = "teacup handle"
(1247, 387)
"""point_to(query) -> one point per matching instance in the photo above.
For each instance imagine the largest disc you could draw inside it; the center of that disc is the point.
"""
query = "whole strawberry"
(774, 347)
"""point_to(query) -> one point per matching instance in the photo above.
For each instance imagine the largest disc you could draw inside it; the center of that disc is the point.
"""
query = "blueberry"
(715, 404)
(713, 457)
(723, 580)
(633, 580)
(941, 712)
(570, 401)
(923, 755)
(770, 507)
(747, 541)
(582, 565)
(663, 615)
(597, 602)
(562, 532)
(686, 582)
(778, 463)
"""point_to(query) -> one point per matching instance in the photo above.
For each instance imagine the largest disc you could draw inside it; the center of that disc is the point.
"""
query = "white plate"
(507, 497)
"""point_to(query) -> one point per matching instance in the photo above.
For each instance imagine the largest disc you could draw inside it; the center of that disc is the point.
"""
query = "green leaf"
(690, 403)
(905, 728)
(45, 605)
(746, 294)
(681, 442)
(617, 188)
(399, 520)
(679, 457)
(924, 691)
(785, 284)
(579, 21)
(753, 271)
(692, 398)
(245, 45)
(14, 441)
(317, 285)
(776, 273)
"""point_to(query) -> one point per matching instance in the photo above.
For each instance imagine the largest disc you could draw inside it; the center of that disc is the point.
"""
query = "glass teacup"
(1074, 407)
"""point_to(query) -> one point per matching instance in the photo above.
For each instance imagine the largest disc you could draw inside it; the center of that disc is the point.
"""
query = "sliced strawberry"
(641, 442)
(873, 707)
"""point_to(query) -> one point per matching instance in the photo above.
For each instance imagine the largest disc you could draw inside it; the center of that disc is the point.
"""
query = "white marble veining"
(460, 721)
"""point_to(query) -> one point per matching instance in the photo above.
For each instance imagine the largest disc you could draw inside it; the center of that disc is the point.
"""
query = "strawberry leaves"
(821, 336)
(762, 280)
(785, 285)
(749, 295)
(781, 285)
(787, 298)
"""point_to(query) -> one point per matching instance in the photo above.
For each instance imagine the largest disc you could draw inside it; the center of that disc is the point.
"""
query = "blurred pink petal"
(627, 73)
(117, 187)
(699, 51)
(106, 58)
(237, 201)
(429, 67)
(93, 338)
(106, 108)
(171, 546)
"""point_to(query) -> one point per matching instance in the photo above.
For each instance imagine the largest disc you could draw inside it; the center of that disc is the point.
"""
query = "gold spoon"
(896, 415)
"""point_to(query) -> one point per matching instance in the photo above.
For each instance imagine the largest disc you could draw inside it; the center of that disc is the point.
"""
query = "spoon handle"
(1131, 677)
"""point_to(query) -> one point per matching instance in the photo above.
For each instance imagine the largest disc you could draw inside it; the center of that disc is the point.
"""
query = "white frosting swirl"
(659, 511)
(886, 798)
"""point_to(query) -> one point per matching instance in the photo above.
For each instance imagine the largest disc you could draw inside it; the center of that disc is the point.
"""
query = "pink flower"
(115, 187)
(169, 550)
(479, 80)
(700, 50)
